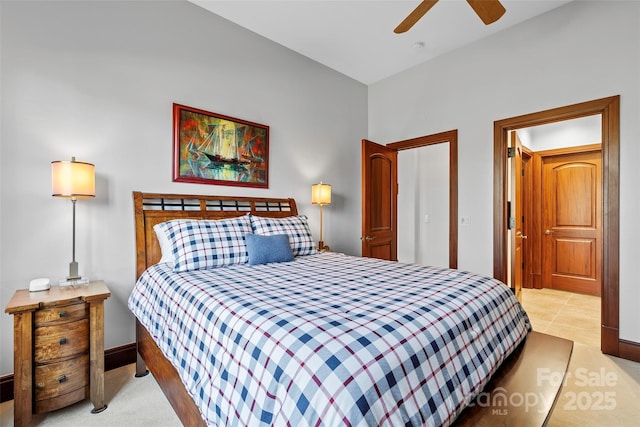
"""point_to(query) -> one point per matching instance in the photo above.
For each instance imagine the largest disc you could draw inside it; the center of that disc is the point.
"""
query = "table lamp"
(321, 196)
(73, 180)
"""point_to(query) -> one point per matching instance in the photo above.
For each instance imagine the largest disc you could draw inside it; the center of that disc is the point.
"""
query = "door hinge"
(511, 152)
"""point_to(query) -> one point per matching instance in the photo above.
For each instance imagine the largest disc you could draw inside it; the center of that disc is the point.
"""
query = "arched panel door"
(379, 195)
(572, 253)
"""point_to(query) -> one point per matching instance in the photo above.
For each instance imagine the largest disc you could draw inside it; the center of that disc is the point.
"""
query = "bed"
(325, 338)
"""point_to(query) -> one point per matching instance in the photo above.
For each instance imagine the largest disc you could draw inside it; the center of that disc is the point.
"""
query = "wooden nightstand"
(58, 348)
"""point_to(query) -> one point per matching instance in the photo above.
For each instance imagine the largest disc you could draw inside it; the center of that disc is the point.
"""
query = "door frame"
(450, 136)
(609, 109)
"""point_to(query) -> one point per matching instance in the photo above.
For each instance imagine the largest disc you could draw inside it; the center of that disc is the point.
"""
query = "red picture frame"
(210, 148)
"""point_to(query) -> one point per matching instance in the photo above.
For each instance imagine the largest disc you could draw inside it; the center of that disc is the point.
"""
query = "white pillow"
(165, 246)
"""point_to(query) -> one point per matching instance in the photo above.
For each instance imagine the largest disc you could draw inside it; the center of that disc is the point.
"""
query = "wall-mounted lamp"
(73, 180)
(321, 195)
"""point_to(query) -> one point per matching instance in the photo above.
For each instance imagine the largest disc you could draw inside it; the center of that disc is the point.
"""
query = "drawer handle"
(63, 313)
(63, 341)
(62, 378)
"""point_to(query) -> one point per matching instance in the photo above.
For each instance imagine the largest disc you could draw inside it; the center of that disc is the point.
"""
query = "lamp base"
(73, 278)
(74, 281)
(73, 271)
(322, 247)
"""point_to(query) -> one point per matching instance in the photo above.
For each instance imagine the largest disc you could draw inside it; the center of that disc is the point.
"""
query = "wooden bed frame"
(531, 372)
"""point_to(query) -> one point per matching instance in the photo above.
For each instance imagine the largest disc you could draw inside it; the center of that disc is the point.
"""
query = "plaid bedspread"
(330, 340)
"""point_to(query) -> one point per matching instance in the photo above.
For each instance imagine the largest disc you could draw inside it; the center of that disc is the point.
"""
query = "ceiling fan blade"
(488, 10)
(415, 16)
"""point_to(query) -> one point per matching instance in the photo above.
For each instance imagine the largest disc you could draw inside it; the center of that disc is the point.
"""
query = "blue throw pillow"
(266, 249)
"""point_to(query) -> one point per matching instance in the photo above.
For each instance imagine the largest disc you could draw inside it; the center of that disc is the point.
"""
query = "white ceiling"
(356, 37)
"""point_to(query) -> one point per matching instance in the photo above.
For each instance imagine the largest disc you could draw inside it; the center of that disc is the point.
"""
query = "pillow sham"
(267, 249)
(203, 244)
(165, 245)
(296, 227)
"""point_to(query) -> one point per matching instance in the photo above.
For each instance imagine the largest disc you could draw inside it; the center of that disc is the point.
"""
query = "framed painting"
(210, 148)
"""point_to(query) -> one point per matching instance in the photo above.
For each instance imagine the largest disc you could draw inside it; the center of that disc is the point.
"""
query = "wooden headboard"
(153, 208)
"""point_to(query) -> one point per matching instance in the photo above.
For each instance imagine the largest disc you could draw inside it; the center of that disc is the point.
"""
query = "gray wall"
(97, 80)
(582, 51)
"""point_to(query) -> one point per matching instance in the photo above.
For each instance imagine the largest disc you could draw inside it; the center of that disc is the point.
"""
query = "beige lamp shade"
(73, 179)
(321, 194)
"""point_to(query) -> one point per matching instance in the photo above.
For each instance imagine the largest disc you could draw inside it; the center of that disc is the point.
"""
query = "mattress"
(330, 339)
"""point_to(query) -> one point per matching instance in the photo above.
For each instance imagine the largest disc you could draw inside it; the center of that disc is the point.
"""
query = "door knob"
(547, 232)
(523, 237)
(367, 238)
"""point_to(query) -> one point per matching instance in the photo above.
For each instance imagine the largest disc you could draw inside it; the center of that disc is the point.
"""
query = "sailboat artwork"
(213, 149)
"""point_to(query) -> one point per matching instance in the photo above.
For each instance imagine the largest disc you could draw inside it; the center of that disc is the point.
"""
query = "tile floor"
(564, 314)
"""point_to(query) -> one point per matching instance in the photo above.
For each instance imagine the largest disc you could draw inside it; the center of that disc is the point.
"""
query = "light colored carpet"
(131, 402)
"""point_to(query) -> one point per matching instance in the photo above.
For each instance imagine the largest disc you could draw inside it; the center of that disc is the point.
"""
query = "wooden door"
(517, 213)
(379, 196)
(572, 247)
(529, 222)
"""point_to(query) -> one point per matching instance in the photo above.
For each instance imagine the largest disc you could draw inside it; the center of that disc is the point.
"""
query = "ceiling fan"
(488, 10)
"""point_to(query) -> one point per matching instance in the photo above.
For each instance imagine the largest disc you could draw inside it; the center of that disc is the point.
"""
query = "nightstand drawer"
(68, 313)
(56, 379)
(55, 342)
(61, 401)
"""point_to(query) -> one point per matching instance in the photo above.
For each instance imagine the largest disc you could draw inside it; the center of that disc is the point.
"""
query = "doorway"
(558, 227)
(423, 220)
(608, 109)
(380, 192)
(446, 143)
(558, 201)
